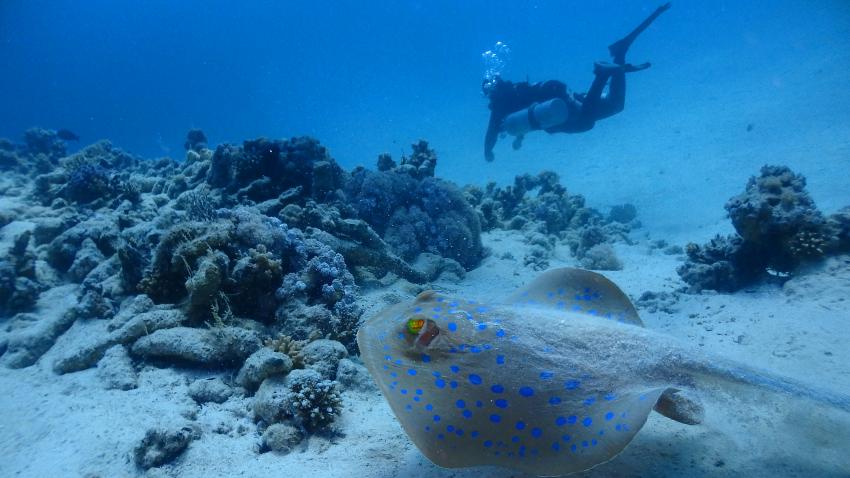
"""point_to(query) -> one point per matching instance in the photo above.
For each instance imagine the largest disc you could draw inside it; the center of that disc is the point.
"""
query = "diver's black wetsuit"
(584, 109)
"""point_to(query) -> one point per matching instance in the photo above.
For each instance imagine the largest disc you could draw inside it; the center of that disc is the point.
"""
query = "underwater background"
(183, 298)
(370, 77)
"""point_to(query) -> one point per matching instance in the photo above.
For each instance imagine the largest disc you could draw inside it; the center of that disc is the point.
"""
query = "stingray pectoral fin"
(681, 406)
(578, 290)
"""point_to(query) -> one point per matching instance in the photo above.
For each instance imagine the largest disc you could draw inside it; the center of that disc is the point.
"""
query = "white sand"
(70, 426)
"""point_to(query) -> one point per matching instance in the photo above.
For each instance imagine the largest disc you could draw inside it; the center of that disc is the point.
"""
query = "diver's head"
(491, 84)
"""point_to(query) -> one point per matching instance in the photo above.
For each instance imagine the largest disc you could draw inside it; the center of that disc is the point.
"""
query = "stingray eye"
(414, 326)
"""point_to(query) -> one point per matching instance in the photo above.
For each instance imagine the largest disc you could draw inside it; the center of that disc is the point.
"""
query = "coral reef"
(247, 263)
(778, 227)
(303, 396)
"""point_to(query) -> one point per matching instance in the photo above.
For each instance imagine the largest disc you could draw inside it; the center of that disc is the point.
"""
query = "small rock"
(261, 365)
(354, 376)
(323, 356)
(223, 346)
(210, 390)
(281, 437)
(26, 346)
(116, 370)
(87, 258)
(160, 446)
(142, 324)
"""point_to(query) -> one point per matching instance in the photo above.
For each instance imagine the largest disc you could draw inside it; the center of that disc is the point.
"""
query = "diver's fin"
(619, 48)
(607, 68)
(578, 290)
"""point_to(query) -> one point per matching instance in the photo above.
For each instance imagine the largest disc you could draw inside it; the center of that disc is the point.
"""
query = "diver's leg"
(619, 48)
(593, 97)
(596, 106)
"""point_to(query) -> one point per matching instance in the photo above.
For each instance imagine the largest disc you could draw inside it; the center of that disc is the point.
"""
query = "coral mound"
(778, 227)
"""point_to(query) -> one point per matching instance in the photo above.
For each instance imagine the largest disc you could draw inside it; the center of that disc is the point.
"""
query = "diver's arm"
(491, 137)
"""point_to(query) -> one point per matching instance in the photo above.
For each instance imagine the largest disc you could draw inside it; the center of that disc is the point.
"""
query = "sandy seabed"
(69, 425)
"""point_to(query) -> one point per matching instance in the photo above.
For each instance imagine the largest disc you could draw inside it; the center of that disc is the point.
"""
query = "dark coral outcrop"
(778, 227)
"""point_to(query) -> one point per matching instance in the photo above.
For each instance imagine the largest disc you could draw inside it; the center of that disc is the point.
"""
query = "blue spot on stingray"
(454, 369)
(560, 421)
(418, 309)
(487, 346)
(416, 399)
(500, 359)
(459, 432)
(460, 404)
(573, 447)
(593, 441)
(467, 414)
(546, 375)
(474, 379)
(474, 434)
(440, 383)
(450, 428)
(584, 444)
(587, 421)
(411, 371)
(520, 425)
(482, 326)
(437, 309)
(475, 349)
(609, 416)
(436, 418)
(393, 374)
(554, 400)
(435, 373)
(590, 401)
(495, 418)
(556, 446)
(427, 428)
(408, 407)
(500, 333)
(572, 419)
(418, 391)
(401, 336)
(572, 384)
(453, 384)
(536, 432)
(566, 437)
(429, 407)
(515, 439)
(404, 391)
(611, 396)
(452, 326)
(488, 443)
(497, 388)
(501, 403)
(397, 362)
(526, 391)
(479, 403)
(426, 358)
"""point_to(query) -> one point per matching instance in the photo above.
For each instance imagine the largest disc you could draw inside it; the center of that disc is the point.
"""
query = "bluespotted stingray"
(557, 379)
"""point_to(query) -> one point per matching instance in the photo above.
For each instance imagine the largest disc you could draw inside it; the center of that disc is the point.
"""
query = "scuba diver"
(517, 108)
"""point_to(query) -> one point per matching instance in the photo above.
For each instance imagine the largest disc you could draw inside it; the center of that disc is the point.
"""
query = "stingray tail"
(740, 374)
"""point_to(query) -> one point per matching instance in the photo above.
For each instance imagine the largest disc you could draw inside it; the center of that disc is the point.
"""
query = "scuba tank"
(537, 116)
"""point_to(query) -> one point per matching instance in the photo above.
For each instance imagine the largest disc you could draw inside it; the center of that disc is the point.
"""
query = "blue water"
(369, 77)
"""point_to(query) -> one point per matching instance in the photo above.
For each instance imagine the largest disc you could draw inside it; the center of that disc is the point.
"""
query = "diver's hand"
(517, 143)
(489, 156)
